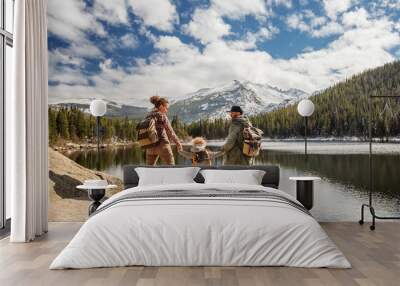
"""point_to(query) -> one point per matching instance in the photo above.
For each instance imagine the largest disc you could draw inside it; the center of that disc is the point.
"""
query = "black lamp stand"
(371, 181)
(305, 134)
(98, 142)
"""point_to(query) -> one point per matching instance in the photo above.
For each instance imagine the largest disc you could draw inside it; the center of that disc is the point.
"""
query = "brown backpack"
(251, 141)
(147, 132)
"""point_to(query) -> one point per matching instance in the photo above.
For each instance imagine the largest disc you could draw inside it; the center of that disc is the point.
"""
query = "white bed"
(202, 231)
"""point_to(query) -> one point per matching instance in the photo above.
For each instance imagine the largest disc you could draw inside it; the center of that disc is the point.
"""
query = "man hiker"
(233, 146)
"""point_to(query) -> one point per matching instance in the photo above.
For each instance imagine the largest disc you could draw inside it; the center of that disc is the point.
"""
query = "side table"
(95, 194)
(305, 190)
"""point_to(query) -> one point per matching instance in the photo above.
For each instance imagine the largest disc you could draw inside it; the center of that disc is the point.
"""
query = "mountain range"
(342, 110)
(213, 103)
(208, 103)
(114, 109)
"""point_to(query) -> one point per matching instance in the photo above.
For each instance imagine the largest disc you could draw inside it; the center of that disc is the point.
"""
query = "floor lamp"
(98, 108)
(371, 181)
(305, 108)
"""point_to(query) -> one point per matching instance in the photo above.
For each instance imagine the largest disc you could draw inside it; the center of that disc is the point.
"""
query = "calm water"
(338, 195)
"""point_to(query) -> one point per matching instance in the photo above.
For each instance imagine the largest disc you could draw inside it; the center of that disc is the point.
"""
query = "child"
(199, 154)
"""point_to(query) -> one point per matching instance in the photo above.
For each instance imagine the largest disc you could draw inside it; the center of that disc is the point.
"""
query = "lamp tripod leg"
(361, 221)
(372, 210)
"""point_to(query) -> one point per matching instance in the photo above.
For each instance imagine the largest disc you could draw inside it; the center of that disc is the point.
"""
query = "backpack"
(251, 140)
(147, 132)
(200, 157)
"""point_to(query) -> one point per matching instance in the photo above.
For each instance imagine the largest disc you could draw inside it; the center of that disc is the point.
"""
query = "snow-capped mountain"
(214, 102)
(207, 102)
(114, 109)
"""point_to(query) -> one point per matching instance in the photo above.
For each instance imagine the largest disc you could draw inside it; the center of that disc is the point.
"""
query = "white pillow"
(248, 177)
(166, 176)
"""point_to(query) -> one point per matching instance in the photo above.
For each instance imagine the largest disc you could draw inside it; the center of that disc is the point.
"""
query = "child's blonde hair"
(199, 141)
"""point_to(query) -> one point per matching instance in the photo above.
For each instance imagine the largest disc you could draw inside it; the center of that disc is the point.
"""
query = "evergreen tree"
(52, 126)
(73, 124)
(62, 124)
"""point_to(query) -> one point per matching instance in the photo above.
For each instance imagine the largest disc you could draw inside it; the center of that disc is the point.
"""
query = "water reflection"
(338, 196)
(347, 169)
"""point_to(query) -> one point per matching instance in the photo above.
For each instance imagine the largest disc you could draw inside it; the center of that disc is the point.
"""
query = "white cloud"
(347, 55)
(68, 76)
(308, 49)
(129, 41)
(160, 14)
(110, 74)
(315, 26)
(207, 26)
(68, 18)
(173, 51)
(330, 29)
(357, 18)
(74, 27)
(57, 56)
(285, 3)
(295, 21)
(251, 39)
(335, 7)
(113, 12)
(391, 4)
(147, 33)
(303, 2)
(70, 21)
(238, 8)
(66, 69)
(397, 26)
(85, 49)
(315, 21)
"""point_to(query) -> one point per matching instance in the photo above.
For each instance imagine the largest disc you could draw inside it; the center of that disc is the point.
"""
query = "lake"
(343, 168)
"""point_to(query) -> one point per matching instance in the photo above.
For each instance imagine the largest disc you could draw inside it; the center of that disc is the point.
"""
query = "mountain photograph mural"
(183, 73)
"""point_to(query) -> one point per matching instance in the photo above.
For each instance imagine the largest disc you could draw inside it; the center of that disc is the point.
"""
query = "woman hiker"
(165, 133)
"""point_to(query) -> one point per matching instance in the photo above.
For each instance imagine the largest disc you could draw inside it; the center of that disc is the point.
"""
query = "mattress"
(201, 225)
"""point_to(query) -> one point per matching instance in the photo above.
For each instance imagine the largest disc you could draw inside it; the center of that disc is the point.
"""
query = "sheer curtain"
(26, 120)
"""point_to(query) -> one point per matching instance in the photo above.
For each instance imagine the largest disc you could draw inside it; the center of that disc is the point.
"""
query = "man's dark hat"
(236, 108)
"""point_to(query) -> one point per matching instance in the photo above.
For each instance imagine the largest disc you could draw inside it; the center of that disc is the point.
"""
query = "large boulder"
(66, 203)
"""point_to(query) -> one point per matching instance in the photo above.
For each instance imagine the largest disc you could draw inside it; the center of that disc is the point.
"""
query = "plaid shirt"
(164, 127)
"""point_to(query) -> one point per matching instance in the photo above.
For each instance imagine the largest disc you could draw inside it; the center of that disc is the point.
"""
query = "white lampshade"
(305, 108)
(98, 107)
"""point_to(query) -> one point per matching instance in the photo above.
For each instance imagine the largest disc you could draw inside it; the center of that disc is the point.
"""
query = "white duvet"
(200, 231)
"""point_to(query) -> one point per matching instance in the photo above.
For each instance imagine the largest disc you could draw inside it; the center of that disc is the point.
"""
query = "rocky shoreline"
(71, 146)
(66, 203)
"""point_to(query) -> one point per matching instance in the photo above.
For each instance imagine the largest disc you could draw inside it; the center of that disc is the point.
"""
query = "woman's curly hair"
(157, 100)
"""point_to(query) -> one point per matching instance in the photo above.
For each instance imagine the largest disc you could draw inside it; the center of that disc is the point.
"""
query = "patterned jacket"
(164, 128)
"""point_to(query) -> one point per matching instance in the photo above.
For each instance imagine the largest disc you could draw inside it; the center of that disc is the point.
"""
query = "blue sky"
(127, 50)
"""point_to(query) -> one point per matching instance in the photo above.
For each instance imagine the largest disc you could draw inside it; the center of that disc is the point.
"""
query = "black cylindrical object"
(305, 193)
(95, 195)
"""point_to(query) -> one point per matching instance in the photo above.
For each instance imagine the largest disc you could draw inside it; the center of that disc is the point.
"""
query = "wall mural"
(218, 82)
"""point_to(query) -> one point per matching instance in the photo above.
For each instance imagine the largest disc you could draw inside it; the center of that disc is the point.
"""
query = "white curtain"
(26, 123)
